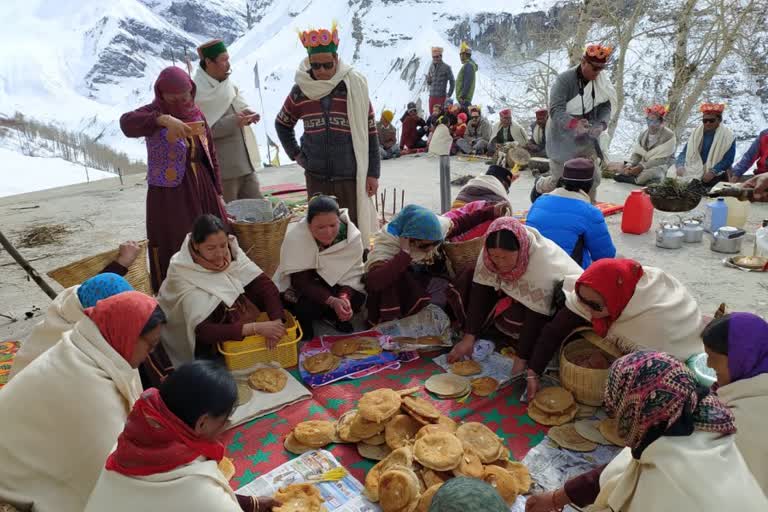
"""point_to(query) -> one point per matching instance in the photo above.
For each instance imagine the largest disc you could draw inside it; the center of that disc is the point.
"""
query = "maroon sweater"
(261, 292)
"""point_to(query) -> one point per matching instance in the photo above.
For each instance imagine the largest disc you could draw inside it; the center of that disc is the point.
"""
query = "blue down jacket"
(563, 218)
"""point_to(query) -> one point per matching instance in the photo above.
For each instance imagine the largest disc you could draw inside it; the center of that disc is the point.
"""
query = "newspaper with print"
(345, 495)
(495, 365)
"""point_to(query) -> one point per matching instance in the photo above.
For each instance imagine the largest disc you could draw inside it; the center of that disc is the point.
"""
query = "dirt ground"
(99, 215)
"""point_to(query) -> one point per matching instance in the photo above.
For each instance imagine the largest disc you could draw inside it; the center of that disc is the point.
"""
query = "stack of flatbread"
(418, 449)
(553, 406)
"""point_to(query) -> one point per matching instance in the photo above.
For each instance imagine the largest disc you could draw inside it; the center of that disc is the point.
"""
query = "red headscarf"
(517, 229)
(615, 280)
(174, 80)
(156, 441)
(121, 318)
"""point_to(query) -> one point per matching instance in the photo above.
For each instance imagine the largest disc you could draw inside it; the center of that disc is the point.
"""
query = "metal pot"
(693, 231)
(727, 240)
(669, 236)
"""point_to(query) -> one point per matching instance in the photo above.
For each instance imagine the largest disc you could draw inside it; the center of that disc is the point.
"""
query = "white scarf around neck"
(491, 183)
(663, 150)
(722, 142)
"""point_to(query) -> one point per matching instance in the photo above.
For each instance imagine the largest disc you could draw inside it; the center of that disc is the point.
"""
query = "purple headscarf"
(747, 346)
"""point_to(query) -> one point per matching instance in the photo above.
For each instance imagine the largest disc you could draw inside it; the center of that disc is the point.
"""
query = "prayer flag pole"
(257, 84)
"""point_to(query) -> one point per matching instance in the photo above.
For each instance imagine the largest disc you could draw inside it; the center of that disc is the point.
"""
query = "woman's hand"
(342, 307)
(405, 245)
(177, 129)
(553, 501)
(128, 253)
(462, 349)
(272, 330)
(534, 383)
(501, 209)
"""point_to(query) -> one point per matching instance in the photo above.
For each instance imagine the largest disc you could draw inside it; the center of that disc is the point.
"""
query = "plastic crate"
(252, 350)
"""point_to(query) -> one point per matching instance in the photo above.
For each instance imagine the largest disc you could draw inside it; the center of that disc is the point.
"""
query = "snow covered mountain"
(82, 63)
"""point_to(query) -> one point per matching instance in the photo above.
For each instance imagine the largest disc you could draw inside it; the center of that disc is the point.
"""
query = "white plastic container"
(738, 211)
(761, 240)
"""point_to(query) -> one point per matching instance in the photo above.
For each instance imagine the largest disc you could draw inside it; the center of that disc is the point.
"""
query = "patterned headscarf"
(464, 494)
(100, 287)
(416, 222)
(747, 346)
(649, 390)
(121, 318)
(517, 229)
(615, 279)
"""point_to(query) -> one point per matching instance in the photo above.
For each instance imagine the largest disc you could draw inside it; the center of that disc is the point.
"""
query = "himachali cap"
(657, 110)
(505, 113)
(211, 49)
(712, 108)
(579, 169)
(464, 48)
(598, 54)
(320, 41)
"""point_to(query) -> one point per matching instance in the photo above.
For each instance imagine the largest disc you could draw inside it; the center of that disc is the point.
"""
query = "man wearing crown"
(465, 81)
(339, 149)
(710, 150)
(579, 110)
(653, 152)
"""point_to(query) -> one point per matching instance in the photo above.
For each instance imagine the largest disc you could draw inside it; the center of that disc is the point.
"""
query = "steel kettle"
(727, 240)
(669, 236)
(693, 231)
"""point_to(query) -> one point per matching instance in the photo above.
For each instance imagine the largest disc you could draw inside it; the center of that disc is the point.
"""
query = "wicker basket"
(77, 272)
(586, 384)
(678, 204)
(463, 255)
(262, 241)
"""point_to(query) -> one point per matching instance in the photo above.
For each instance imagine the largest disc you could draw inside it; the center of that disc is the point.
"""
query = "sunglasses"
(594, 306)
(324, 65)
(709, 120)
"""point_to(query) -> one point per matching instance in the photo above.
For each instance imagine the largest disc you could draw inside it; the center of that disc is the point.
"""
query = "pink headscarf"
(174, 80)
(121, 318)
(518, 229)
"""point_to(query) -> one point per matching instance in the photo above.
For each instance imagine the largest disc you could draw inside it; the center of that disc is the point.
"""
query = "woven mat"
(7, 354)
(257, 446)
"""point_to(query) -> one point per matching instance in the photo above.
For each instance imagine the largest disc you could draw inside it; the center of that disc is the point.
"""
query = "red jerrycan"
(638, 213)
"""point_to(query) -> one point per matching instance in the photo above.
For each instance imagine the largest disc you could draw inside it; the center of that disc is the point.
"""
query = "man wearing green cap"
(339, 149)
(230, 119)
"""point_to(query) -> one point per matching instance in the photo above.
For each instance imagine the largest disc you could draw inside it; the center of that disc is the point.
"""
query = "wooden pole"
(402, 199)
(31, 272)
(394, 202)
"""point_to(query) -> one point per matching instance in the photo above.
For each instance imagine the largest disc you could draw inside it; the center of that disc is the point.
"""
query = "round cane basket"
(463, 255)
(79, 271)
(261, 241)
(586, 384)
(676, 204)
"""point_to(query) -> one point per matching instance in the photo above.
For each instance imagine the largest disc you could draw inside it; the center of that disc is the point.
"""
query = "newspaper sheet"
(497, 366)
(346, 495)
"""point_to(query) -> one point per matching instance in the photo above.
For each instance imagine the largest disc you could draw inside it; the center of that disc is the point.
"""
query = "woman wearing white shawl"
(681, 449)
(406, 269)
(514, 287)
(215, 293)
(166, 457)
(737, 349)
(63, 313)
(63, 413)
(321, 267)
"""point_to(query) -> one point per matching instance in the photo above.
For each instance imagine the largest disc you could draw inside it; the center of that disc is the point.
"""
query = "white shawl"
(578, 195)
(547, 264)
(748, 401)
(61, 418)
(701, 472)
(664, 150)
(214, 99)
(387, 246)
(517, 132)
(604, 91)
(694, 167)
(195, 486)
(190, 293)
(62, 314)
(538, 134)
(340, 264)
(440, 141)
(487, 182)
(661, 315)
(358, 103)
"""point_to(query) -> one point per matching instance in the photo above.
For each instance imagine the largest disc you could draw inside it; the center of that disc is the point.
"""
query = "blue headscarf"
(100, 287)
(416, 222)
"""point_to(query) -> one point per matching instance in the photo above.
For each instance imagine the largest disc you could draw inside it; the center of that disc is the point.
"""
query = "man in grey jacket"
(439, 77)
(478, 134)
(580, 108)
(230, 120)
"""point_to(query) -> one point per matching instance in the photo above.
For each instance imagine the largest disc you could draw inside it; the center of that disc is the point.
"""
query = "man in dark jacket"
(567, 217)
(439, 77)
(324, 96)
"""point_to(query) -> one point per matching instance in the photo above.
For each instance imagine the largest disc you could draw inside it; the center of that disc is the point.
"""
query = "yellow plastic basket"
(240, 355)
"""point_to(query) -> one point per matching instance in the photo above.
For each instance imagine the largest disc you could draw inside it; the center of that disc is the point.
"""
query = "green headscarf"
(467, 495)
